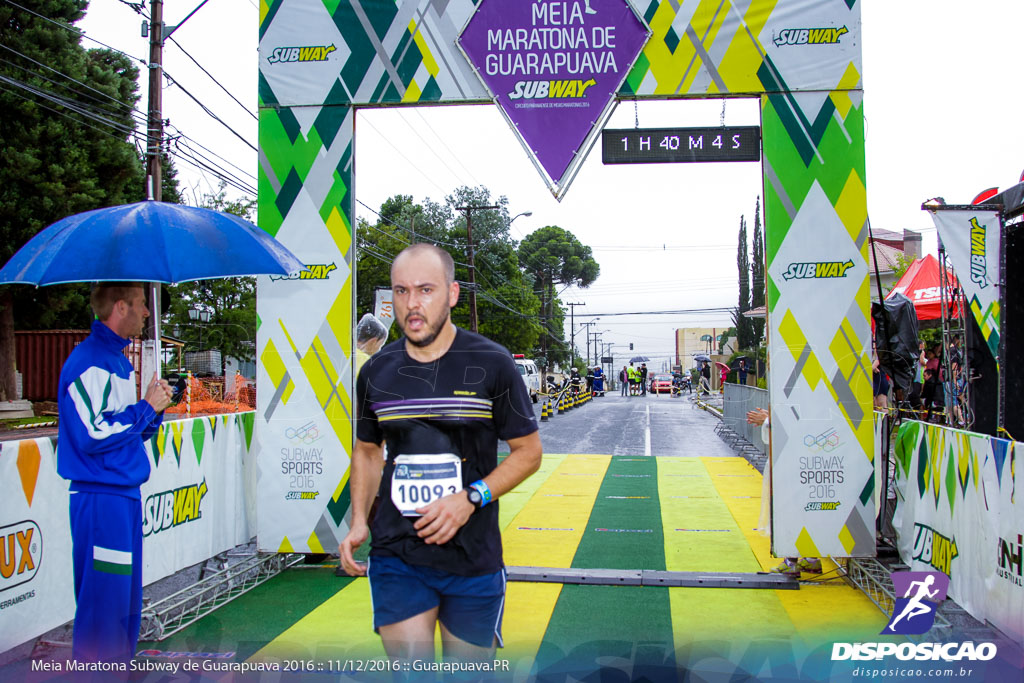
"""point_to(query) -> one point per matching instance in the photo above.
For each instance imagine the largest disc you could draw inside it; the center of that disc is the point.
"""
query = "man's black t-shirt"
(462, 403)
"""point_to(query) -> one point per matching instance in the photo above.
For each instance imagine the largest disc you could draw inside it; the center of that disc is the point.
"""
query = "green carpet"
(247, 624)
(624, 532)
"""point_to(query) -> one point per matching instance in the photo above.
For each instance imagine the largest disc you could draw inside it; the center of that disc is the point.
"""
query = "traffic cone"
(544, 412)
(561, 406)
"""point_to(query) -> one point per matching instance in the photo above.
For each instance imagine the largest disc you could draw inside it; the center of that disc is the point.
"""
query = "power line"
(99, 104)
(69, 104)
(71, 78)
(207, 149)
(401, 154)
(209, 112)
(185, 143)
(66, 115)
(201, 68)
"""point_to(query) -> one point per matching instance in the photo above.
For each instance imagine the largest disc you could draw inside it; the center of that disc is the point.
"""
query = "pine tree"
(64, 143)
(758, 284)
(744, 331)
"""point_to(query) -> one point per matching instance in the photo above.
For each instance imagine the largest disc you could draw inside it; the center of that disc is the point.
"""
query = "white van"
(528, 370)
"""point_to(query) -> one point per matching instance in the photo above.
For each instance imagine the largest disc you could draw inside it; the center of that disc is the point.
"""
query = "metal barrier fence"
(738, 400)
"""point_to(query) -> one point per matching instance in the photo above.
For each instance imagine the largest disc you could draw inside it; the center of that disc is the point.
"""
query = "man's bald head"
(423, 249)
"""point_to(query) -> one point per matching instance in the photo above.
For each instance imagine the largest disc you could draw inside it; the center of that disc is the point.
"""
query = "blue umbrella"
(148, 242)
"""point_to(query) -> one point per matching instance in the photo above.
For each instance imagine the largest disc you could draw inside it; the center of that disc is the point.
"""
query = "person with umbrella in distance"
(101, 433)
(705, 378)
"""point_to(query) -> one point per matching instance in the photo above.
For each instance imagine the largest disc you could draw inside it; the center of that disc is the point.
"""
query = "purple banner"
(553, 67)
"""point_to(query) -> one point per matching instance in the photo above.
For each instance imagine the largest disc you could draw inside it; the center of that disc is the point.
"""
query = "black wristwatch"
(475, 498)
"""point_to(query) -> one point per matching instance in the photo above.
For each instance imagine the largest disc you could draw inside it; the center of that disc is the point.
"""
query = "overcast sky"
(665, 235)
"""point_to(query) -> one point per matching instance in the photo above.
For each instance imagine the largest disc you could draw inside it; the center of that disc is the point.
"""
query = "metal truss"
(648, 577)
(215, 589)
(873, 579)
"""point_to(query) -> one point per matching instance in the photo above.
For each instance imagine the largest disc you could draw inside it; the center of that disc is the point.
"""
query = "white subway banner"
(972, 240)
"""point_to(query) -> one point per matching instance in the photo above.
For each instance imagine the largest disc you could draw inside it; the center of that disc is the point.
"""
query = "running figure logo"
(914, 612)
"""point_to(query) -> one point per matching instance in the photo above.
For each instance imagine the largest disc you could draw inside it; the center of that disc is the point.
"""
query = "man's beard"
(431, 334)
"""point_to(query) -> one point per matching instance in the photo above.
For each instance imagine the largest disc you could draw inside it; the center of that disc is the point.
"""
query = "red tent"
(920, 284)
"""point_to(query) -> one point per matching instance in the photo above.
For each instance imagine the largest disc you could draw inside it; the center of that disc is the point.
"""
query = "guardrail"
(737, 401)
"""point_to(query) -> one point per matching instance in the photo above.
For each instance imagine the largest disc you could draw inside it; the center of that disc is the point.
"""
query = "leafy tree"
(903, 262)
(57, 157)
(507, 309)
(231, 301)
(553, 256)
(758, 284)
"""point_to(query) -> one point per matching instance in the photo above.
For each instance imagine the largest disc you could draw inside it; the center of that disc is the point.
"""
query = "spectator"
(880, 386)
(643, 379)
(705, 379)
(623, 381)
(741, 371)
(917, 386)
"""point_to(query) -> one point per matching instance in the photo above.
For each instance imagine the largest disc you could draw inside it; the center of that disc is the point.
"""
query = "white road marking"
(647, 433)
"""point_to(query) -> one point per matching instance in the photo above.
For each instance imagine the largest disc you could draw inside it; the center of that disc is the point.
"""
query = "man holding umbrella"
(101, 434)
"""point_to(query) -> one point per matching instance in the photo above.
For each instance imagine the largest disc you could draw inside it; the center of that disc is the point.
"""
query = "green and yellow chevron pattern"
(405, 51)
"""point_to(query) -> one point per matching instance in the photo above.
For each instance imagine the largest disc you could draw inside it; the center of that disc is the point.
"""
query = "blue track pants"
(106, 534)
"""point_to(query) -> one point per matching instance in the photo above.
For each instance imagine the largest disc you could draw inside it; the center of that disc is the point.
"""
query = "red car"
(661, 383)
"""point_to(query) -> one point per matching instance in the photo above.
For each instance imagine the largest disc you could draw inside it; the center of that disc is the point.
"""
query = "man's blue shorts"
(470, 607)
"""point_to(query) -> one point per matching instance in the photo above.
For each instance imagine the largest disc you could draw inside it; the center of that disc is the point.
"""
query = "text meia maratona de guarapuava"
(558, 43)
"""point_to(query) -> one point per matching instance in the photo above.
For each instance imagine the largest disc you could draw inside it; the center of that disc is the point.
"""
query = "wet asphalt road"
(653, 425)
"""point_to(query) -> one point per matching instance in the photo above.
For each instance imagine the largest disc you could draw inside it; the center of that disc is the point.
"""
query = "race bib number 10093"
(419, 480)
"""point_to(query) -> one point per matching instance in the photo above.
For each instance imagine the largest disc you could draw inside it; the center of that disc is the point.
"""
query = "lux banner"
(973, 240)
(198, 502)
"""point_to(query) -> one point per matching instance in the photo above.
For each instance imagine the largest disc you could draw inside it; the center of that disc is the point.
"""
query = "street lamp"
(200, 315)
(707, 338)
(524, 213)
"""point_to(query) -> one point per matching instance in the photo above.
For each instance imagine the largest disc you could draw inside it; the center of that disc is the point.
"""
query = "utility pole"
(572, 332)
(158, 33)
(472, 266)
(155, 122)
(587, 325)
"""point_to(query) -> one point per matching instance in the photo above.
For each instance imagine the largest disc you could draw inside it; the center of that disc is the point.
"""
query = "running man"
(914, 608)
(441, 397)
